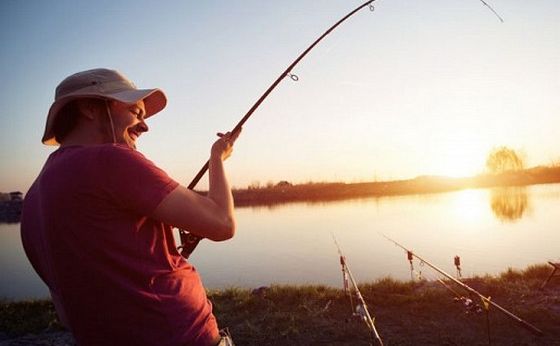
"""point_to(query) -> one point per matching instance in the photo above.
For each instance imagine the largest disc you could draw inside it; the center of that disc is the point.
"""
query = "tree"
(504, 159)
(255, 185)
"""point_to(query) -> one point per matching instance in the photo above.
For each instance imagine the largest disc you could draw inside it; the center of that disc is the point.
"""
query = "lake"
(490, 229)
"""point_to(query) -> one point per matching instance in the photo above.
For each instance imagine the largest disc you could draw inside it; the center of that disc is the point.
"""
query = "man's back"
(114, 273)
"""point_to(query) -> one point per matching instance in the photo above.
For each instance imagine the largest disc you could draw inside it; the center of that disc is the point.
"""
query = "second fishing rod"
(361, 309)
(484, 299)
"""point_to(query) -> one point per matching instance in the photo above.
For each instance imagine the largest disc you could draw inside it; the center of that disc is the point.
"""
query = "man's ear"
(90, 108)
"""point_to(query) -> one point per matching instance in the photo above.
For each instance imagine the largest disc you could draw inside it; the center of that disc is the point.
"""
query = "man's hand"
(223, 147)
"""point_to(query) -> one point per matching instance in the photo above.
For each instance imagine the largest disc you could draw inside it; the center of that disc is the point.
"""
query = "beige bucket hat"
(104, 84)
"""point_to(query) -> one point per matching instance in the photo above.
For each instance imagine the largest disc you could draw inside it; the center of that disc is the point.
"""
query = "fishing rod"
(189, 241)
(469, 305)
(486, 300)
(493, 11)
(361, 309)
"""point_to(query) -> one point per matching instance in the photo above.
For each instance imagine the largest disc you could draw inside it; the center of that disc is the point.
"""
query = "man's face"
(128, 121)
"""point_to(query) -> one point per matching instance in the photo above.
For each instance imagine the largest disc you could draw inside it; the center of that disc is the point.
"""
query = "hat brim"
(154, 101)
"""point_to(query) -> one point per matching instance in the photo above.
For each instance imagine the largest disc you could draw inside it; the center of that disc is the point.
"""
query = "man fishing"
(97, 222)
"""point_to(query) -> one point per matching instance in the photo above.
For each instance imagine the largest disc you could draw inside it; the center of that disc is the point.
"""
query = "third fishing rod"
(485, 300)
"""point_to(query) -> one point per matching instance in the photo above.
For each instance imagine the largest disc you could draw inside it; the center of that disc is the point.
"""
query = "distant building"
(16, 196)
(10, 206)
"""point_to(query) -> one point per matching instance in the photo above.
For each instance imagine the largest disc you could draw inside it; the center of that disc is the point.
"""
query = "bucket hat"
(100, 83)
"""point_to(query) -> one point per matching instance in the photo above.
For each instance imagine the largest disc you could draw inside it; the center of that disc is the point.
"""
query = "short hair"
(68, 116)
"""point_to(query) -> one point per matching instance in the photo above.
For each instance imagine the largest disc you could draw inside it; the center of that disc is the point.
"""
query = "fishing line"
(189, 241)
(493, 11)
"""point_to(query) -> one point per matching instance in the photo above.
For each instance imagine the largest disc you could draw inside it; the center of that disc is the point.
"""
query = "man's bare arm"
(212, 216)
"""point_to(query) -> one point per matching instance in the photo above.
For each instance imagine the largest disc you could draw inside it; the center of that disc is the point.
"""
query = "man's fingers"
(229, 136)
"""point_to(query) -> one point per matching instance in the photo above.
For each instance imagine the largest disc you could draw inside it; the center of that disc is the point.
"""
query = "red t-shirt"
(114, 273)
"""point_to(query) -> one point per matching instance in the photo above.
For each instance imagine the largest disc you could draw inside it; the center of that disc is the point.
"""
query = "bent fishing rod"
(189, 241)
(361, 309)
(493, 11)
(485, 300)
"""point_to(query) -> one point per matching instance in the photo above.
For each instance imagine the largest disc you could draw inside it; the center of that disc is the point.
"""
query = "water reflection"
(292, 244)
(509, 204)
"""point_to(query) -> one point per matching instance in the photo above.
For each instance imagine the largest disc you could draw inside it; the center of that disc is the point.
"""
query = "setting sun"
(460, 160)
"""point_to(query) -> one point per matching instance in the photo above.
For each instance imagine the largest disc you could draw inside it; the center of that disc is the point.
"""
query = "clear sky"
(413, 88)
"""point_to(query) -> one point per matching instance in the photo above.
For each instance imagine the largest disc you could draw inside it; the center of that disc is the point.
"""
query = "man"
(97, 222)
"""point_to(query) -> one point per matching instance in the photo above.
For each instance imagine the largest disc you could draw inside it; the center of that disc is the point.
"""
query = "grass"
(30, 316)
(407, 313)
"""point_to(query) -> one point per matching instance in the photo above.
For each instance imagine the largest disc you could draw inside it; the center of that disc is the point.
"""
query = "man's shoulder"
(118, 149)
(115, 152)
(105, 156)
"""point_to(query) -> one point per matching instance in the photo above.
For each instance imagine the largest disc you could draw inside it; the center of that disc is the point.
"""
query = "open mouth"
(133, 134)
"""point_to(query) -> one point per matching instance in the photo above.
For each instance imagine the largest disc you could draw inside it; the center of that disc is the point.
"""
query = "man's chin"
(131, 143)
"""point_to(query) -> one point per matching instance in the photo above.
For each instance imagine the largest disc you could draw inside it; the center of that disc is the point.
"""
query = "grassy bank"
(319, 192)
(407, 313)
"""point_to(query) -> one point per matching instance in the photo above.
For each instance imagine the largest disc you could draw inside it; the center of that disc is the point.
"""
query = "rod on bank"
(361, 309)
(485, 300)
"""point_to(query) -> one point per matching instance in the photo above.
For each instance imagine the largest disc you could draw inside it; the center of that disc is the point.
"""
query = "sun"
(459, 168)
(458, 161)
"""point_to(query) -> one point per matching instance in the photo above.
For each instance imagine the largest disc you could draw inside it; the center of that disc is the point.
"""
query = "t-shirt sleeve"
(133, 182)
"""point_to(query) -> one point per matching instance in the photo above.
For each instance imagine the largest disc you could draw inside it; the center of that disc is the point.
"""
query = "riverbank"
(284, 192)
(407, 313)
(321, 192)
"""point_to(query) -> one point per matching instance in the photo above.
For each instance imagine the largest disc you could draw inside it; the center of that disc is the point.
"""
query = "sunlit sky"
(413, 88)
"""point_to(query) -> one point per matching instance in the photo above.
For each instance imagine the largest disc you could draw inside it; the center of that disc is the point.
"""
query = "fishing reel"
(189, 242)
(360, 313)
(471, 308)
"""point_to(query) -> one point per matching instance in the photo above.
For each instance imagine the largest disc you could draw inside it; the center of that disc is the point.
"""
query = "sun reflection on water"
(470, 207)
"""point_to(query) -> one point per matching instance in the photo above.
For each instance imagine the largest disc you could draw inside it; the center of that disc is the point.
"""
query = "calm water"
(291, 244)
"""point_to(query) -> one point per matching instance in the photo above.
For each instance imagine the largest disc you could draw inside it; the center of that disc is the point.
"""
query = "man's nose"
(142, 126)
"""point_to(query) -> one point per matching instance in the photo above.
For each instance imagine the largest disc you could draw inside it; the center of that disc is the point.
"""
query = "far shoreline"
(316, 192)
(284, 192)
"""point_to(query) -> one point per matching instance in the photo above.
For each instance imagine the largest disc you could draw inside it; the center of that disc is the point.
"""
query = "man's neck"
(84, 138)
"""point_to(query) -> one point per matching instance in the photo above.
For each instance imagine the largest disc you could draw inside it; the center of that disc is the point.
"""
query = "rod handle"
(189, 241)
